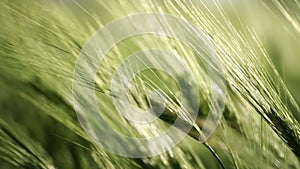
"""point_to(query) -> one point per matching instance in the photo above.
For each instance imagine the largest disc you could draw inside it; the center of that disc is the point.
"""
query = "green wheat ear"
(40, 43)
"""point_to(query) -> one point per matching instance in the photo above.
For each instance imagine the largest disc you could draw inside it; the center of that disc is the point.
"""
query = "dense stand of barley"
(40, 42)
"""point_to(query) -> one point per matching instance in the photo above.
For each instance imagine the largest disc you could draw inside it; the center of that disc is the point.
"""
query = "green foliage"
(40, 42)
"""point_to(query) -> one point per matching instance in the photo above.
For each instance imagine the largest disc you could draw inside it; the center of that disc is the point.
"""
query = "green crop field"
(224, 75)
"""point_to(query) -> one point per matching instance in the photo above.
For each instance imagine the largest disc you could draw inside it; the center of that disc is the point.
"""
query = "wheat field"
(256, 44)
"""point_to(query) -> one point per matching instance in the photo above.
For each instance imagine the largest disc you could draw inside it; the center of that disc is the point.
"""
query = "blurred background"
(39, 129)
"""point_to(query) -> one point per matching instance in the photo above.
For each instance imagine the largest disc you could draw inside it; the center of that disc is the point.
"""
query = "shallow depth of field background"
(65, 147)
